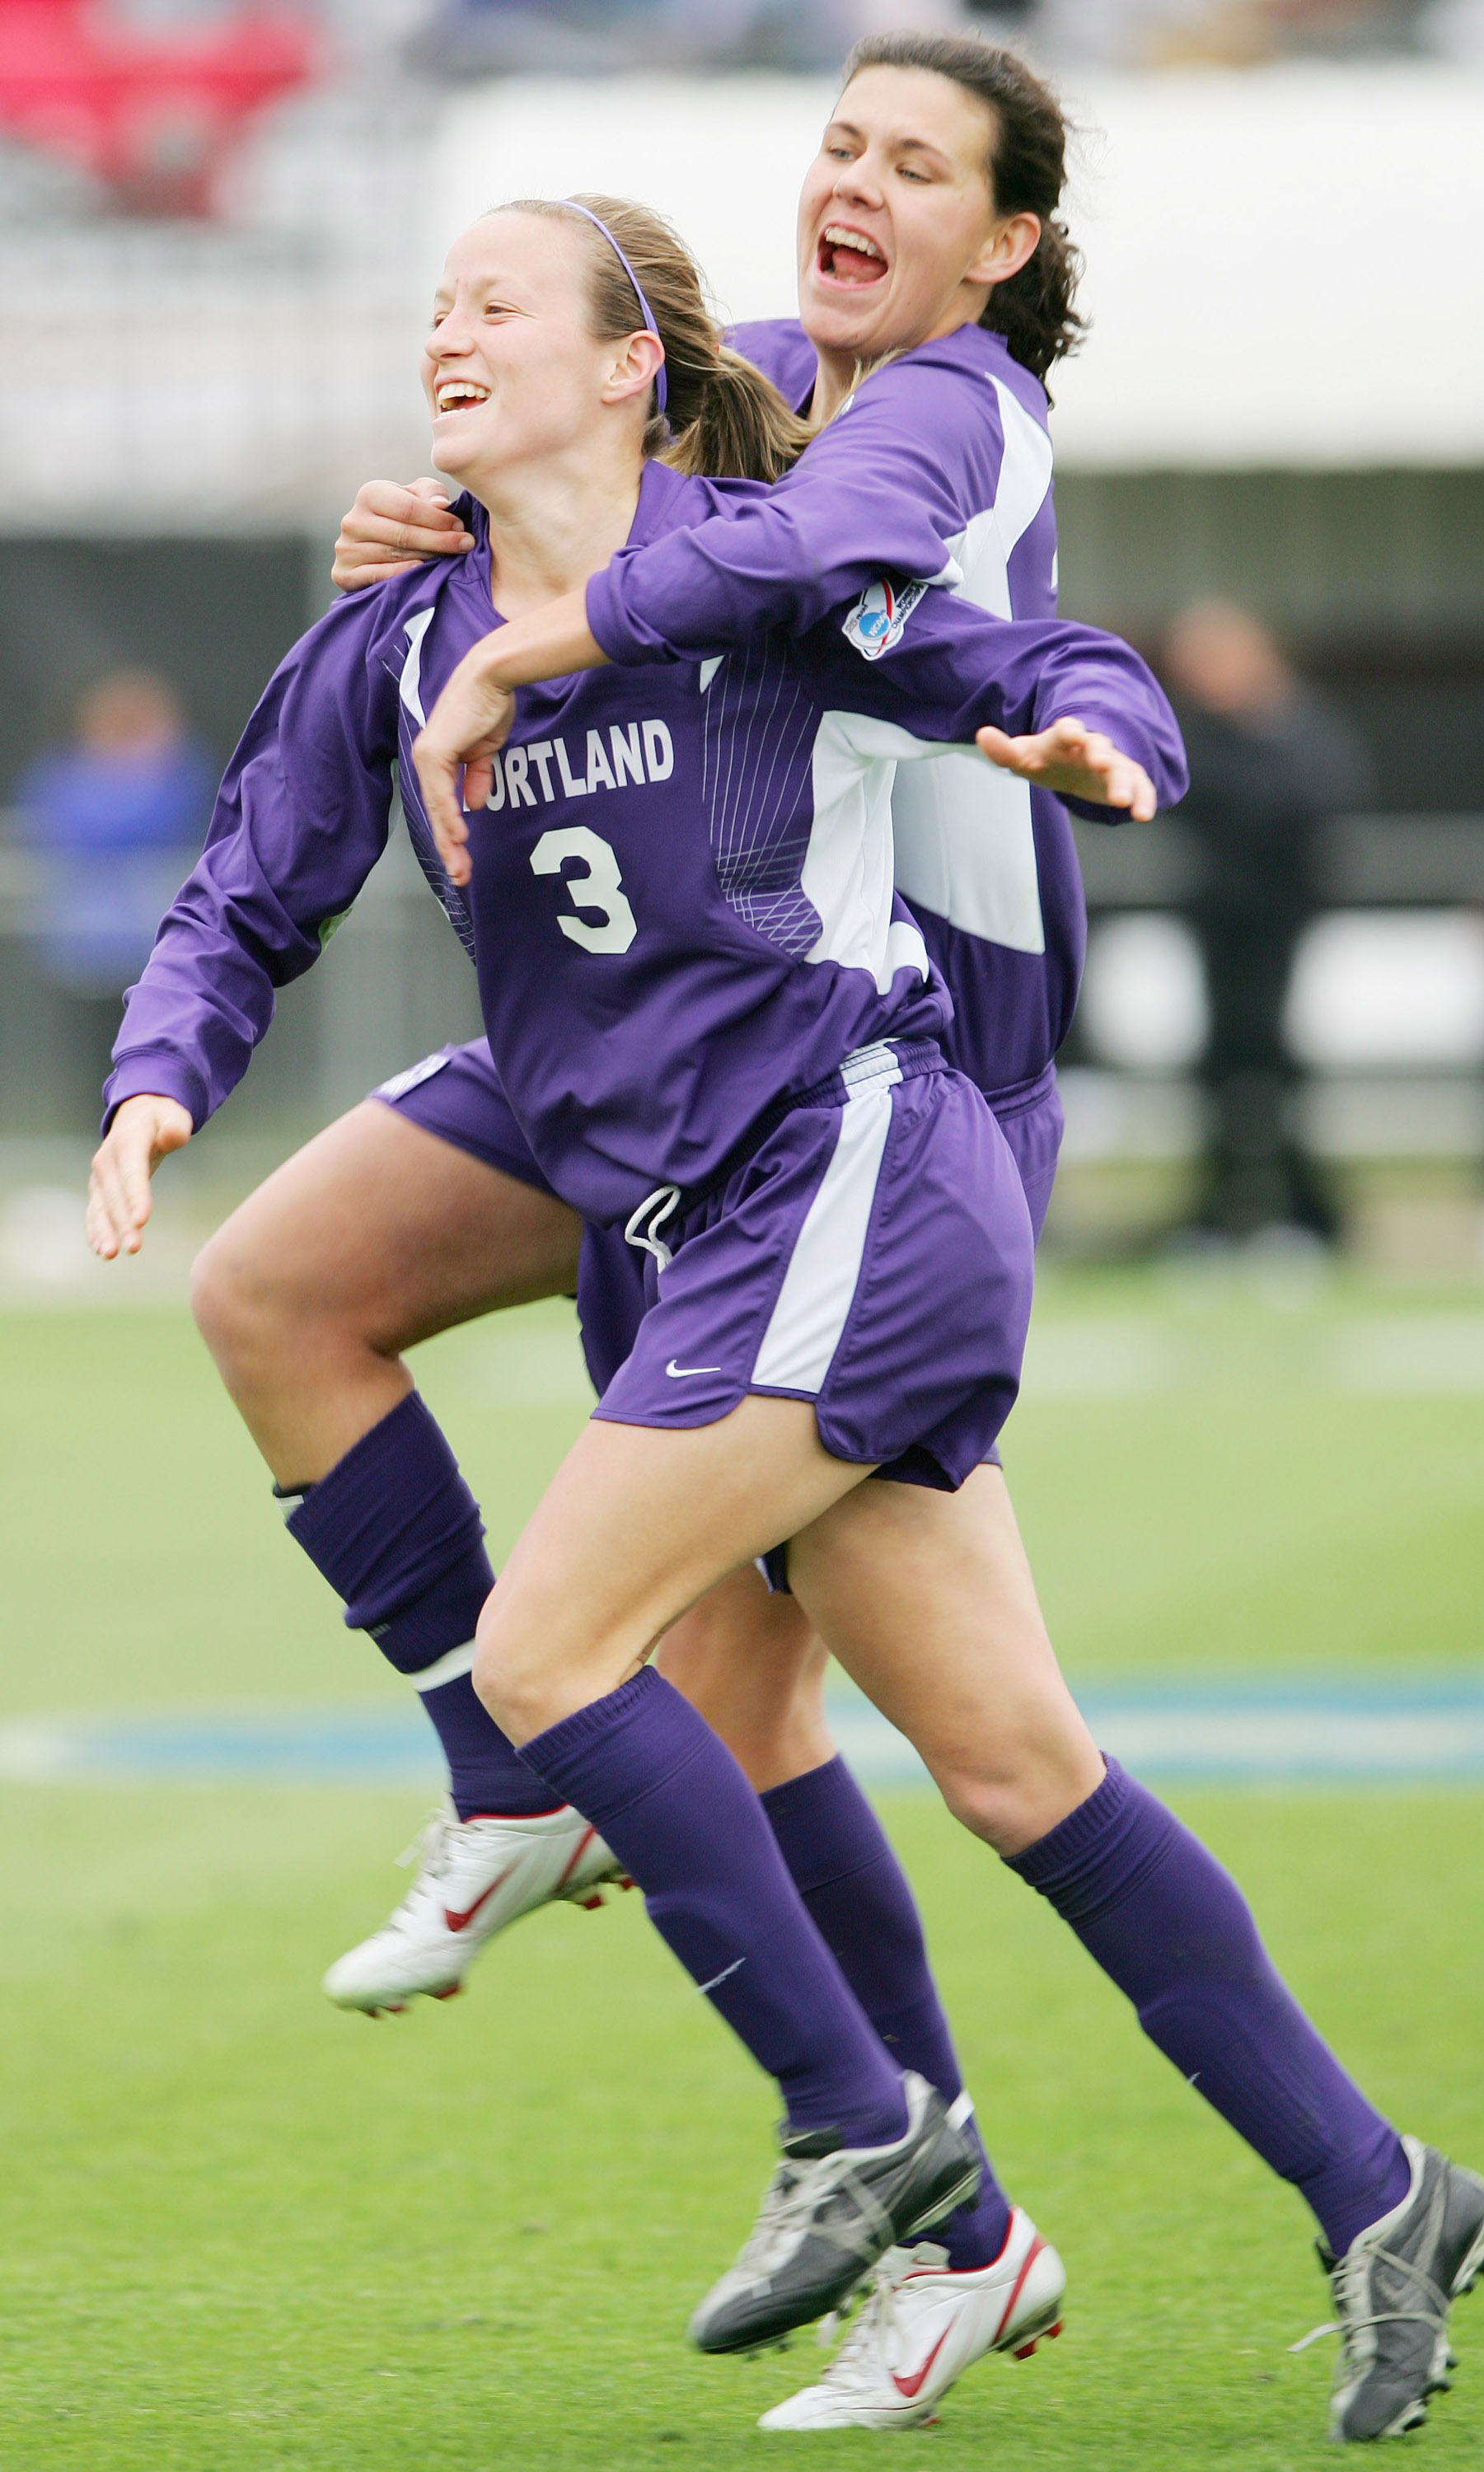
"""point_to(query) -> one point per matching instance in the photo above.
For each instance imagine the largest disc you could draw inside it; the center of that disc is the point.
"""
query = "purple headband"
(661, 391)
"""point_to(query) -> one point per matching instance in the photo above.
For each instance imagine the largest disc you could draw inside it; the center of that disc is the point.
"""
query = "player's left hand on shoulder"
(1074, 762)
(393, 526)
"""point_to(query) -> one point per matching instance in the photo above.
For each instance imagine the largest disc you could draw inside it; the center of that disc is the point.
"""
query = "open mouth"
(849, 256)
(459, 395)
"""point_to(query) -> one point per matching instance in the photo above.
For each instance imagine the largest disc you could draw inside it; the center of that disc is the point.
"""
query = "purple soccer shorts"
(456, 1094)
(871, 1254)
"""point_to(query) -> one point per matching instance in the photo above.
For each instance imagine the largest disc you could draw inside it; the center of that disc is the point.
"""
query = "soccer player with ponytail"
(888, 1563)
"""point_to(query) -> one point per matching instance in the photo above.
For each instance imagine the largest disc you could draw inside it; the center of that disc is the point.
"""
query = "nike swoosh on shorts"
(678, 1372)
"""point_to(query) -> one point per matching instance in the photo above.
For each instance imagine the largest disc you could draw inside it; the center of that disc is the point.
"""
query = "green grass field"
(239, 2230)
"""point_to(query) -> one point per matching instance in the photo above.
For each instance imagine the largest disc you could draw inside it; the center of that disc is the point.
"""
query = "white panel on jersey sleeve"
(818, 1285)
(411, 687)
(966, 847)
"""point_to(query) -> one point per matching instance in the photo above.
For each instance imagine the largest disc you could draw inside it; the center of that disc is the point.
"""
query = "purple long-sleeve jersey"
(682, 908)
(941, 467)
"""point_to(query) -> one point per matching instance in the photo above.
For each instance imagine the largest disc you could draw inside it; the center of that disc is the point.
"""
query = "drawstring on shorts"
(649, 1239)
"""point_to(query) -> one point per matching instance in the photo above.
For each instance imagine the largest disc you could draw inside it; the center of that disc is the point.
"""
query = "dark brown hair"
(1033, 310)
(723, 418)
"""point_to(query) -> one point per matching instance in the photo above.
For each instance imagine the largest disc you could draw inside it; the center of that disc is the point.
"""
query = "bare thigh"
(754, 1666)
(635, 1526)
(374, 1236)
(927, 1601)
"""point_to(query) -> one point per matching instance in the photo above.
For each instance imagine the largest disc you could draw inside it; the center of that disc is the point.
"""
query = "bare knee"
(233, 1298)
(1016, 1794)
(524, 1687)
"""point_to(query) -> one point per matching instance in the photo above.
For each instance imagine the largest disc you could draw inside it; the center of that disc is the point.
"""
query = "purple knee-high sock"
(843, 1866)
(671, 1801)
(396, 1531)
(1174, 1932)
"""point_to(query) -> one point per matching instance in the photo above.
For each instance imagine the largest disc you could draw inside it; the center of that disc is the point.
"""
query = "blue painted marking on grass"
(1293, 1732)
(1280, 1732)
(291, 1745)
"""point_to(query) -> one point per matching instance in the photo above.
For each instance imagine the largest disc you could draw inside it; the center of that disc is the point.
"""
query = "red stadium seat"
(151, 115)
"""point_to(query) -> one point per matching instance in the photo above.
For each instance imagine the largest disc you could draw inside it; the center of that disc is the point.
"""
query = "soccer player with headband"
(1360, 2155)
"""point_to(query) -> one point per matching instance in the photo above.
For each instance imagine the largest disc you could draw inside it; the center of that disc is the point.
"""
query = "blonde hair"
(723, 419)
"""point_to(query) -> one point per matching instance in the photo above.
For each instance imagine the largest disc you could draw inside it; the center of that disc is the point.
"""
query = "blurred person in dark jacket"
(1271, 763)
(115, 819)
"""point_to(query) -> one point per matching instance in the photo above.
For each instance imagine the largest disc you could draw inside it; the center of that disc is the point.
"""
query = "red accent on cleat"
(590, 1905)
(1052, 2332)
(575, 1857)
(449, 1991)
(626, 1882)
(1024, 2350)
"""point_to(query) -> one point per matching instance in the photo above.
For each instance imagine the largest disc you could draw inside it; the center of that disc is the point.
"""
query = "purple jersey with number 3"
(683, 905)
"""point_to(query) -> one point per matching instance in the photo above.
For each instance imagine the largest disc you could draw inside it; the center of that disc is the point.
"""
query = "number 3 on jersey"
(600, 888)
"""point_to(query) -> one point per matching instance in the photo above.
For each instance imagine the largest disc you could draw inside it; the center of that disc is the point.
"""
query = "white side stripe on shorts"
(818, 1285)
(459, 1660)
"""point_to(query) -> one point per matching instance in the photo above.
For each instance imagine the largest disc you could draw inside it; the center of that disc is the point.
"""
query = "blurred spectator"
(115, 820)
(1270, 764)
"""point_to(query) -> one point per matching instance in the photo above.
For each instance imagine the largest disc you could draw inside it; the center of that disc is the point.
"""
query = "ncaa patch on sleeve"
(877, 619)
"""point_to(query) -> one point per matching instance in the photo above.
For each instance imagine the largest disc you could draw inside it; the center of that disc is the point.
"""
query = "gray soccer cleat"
(1393, 2290)
(830, 2212)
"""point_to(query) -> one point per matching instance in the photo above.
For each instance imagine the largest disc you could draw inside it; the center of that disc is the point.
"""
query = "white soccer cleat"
(924, 2325)
(474, 1877)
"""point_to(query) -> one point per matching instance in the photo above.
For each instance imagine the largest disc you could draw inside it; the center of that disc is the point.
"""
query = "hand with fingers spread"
(392, 526)
(145, 1130)
(1074, 762)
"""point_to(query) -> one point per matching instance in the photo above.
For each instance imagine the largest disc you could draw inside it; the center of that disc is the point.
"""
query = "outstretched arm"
(1069, 708)
(300, 820)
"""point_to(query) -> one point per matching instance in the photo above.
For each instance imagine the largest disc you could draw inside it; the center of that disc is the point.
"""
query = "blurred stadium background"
(211, 297)
(1248, 1460)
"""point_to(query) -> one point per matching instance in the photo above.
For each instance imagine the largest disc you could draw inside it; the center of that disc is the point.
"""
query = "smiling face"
(899, 239)
(513, 374)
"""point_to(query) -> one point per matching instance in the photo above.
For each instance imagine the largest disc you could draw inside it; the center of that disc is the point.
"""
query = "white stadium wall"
(1279, 271)
(1280, 265)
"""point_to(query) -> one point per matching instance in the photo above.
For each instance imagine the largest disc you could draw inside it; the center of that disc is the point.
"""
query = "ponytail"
(1035, 310)
(743, 431)
(723, 419)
